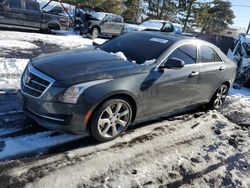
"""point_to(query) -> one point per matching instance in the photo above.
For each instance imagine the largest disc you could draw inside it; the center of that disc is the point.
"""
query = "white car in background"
(153, 25)
(240, 52)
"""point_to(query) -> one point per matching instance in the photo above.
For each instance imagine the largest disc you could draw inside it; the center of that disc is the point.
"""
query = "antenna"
(248, 28)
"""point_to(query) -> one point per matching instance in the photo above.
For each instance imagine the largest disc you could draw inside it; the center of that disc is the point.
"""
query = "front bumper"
(56, 116)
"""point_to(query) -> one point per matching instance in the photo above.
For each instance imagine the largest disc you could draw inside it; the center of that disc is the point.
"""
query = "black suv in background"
(103, 23)
(26, 14)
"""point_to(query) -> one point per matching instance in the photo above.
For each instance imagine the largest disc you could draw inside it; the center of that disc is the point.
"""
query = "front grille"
(34, 83)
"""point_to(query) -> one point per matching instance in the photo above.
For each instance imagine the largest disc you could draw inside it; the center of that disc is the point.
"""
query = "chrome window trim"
(39, 74)
(197, 43)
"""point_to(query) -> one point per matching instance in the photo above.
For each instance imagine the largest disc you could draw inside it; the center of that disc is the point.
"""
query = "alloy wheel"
(220, 96)
(114, 119)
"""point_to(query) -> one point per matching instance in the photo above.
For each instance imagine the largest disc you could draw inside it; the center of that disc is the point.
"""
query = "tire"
(94, 32)
(219, 97)
(111, 119)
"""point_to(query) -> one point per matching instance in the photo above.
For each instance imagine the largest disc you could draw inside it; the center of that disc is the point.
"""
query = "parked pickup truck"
(27, 14)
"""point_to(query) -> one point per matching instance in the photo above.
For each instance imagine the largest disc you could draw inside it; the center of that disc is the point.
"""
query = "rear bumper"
(55, 116)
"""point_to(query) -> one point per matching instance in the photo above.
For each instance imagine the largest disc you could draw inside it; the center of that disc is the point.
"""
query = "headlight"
(73, 93)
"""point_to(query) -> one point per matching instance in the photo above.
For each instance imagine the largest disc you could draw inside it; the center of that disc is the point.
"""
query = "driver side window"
(109, 18)
(186, 52)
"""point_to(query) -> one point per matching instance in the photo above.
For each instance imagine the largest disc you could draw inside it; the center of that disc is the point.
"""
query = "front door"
(13, 13)
(32, 14)
(176, 88)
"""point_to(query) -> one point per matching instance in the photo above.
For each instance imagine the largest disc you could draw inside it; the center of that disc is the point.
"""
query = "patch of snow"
(10, 72)
(149, 62)
(120, 55)
(12, 65)
(69, 41)
(10, 44)
(35, 142)
(244, 92)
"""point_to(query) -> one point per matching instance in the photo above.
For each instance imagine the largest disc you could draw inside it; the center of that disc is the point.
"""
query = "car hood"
(82, 65)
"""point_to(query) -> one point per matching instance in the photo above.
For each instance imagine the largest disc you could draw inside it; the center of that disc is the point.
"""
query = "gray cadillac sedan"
(132, 78)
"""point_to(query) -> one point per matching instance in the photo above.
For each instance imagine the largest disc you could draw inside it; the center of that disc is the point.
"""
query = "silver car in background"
(162, 25)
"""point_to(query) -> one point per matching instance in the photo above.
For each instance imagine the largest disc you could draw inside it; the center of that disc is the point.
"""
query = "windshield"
(98, 15)
(139, 46)
(246, 46)
(152, 24)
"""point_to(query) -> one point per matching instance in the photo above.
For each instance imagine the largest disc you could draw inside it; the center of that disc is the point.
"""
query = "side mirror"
(95, 44)
(173, 63)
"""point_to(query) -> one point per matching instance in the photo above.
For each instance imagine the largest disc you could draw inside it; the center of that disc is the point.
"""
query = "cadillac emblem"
(27, 79)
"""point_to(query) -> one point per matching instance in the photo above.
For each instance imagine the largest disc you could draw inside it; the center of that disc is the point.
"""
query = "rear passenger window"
(118, 19)
(32, 6)
(207, 55)
(15, 3)
(187, 53)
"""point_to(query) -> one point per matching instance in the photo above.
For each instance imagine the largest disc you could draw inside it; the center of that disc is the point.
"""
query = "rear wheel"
(219, 97)
(111, 119)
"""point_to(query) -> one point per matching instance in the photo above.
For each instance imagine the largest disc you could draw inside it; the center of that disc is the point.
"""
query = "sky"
(242, 14)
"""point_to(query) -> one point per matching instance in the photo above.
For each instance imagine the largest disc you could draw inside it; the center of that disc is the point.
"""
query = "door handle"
(221, 68)
(194, 74)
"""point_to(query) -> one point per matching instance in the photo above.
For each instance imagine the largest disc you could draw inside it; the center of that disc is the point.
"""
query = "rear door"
(32, 14)
(211, 73)
(176, 88)
(108, 25)
(118, 24)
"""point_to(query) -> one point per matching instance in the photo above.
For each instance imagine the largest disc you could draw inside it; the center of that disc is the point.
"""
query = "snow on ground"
(10, 71)
(69, 41)
(10, 44)
(38, 142)
(242, 92)
(12, 66)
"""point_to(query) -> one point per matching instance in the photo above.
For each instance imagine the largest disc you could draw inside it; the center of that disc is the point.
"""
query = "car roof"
(174, 38)
(168, 36)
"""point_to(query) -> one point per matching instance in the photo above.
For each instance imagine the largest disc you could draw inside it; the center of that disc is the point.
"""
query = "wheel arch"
(54, 23)
(127, 96)
(227, 83)
(96, 26)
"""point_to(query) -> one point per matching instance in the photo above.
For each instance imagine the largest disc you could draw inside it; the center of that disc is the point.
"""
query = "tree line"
(209, 16)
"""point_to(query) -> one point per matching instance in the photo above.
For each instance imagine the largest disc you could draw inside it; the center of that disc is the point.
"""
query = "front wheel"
(219, 97)
(111, 119)
(94, 32)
